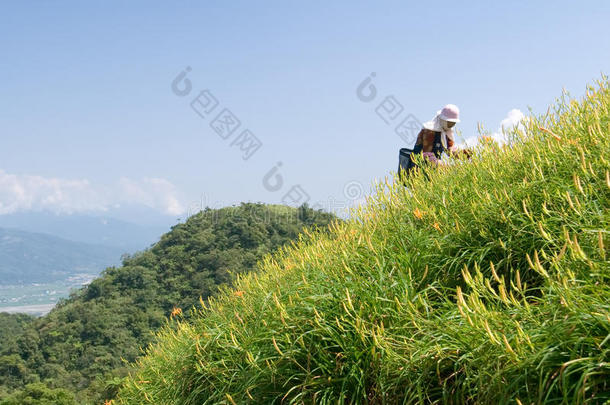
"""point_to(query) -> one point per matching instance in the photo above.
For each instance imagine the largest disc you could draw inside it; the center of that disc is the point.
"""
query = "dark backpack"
(405, 163)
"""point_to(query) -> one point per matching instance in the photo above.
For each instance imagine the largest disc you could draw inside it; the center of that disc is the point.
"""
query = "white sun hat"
(450, 113)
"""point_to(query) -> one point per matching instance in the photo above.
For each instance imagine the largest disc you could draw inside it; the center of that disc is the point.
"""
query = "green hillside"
(84, 345)
(483, 282)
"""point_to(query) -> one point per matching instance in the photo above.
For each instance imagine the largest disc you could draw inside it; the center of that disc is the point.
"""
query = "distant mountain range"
(111, 230)
(40, 247)
(27, 257)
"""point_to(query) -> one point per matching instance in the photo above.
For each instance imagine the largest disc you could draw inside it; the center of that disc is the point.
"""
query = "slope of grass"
(487, 282)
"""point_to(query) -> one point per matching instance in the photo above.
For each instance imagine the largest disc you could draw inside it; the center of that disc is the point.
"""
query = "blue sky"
(88, 119)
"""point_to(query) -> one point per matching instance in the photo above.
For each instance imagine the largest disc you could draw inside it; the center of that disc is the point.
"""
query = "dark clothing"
(426, 138)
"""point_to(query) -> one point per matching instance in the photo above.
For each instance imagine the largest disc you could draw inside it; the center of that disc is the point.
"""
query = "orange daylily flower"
(239, 293)
(175, 312)
(543, 129)
(418, 213)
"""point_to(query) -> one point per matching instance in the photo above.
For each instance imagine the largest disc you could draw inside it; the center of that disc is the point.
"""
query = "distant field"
(39, 298)
(29, 309)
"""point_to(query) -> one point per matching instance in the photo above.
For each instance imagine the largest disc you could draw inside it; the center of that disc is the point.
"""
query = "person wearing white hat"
(437, 137)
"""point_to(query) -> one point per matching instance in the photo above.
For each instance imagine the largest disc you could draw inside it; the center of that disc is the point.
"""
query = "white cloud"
(153, 192)
(31, 192)
(513, 119)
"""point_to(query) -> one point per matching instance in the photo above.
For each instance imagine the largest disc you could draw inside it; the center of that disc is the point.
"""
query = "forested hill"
(81, 348)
